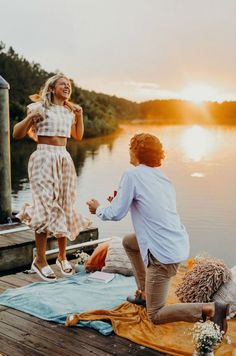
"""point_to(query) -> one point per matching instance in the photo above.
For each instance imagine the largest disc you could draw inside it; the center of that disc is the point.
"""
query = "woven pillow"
(116, 260)
(203, 280)
(227, 293)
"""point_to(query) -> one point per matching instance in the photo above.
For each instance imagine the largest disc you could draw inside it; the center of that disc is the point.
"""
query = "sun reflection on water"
(197, 142)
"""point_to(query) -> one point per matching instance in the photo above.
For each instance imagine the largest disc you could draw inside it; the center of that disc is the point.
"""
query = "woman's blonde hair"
(46, 93)
(45, 96)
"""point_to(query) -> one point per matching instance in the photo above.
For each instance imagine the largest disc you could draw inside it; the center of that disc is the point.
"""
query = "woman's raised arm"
(77, 129)
(21, 129)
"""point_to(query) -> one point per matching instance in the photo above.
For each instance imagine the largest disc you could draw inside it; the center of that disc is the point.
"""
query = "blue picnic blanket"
(76, 294)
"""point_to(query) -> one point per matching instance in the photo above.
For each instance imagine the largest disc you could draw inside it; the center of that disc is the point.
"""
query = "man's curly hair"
(148, 149)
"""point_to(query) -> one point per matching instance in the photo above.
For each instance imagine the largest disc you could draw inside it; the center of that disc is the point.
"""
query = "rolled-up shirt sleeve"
(120, 205)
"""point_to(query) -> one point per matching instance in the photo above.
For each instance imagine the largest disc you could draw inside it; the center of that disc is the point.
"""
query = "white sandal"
(46, 273)
(64, 266)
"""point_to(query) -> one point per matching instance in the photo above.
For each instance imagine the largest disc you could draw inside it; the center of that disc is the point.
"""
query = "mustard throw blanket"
(130, 321)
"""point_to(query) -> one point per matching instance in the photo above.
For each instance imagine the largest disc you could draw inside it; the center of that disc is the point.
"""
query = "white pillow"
(116, 260)
(227, 293)
(233, 271)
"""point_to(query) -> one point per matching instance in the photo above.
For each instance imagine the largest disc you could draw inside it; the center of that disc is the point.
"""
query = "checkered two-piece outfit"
(53, 178)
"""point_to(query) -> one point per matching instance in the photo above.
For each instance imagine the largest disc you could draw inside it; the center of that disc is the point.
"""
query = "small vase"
(202, 353)
(79, 268)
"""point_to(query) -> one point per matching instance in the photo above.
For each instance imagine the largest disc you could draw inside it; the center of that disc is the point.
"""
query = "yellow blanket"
(130, 321)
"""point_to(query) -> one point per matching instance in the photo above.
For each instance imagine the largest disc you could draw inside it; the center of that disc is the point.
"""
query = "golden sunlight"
(197, 142)
(198, 93)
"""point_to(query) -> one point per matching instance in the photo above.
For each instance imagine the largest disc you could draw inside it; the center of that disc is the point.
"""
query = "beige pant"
(155, 281)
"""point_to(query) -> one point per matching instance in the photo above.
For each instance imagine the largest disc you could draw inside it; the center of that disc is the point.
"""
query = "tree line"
(186, 112)
(102, 113)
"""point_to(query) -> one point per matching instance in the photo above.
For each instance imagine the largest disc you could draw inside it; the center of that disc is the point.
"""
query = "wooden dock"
(24, 335)
(17, 244)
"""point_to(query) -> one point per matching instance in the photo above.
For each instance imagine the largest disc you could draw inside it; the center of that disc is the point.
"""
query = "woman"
(50, 121)
(160, 241)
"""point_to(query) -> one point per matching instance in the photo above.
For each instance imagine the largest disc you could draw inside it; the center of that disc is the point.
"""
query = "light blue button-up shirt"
(151, 198)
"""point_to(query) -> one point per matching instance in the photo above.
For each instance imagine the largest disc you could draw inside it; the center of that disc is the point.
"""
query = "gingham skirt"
(52, 179)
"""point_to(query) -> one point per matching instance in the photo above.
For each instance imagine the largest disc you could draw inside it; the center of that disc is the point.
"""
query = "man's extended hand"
(93, 204)
(110, 198)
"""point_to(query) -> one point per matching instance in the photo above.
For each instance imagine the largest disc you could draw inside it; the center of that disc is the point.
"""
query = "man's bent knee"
(127, 240)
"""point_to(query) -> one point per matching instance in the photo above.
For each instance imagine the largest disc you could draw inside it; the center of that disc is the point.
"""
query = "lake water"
(201, 162)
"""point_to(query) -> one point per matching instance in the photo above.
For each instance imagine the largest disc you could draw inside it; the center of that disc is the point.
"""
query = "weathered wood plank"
(21, 279)
(5, 241)
(10, 347)
(29, 278)
(13, 230)
(2, 307)
(21, 332)
(5, 285)
(21, 237)
(112, 344)
(16, 249)
(10, 226)
(13, 281)
(49, 336)
(25, 336)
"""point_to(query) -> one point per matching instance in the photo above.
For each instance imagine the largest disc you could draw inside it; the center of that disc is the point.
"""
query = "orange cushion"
(97, 260)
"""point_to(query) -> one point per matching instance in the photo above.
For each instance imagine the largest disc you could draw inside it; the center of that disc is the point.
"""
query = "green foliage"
(101, 112)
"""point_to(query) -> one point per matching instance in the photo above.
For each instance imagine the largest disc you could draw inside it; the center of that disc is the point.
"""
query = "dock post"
(5, 162)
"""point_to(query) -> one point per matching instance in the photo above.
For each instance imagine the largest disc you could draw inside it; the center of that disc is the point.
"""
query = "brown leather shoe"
(137, 300)
(221, 312)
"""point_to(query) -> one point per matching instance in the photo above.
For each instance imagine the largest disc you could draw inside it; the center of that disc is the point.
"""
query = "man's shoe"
(137, 300)
(221, 313)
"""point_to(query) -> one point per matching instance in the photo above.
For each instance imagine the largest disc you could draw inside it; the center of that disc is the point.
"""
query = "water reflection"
(80, 151)
(200, 161)
(20, 153)
(198, 175)
(198, 142)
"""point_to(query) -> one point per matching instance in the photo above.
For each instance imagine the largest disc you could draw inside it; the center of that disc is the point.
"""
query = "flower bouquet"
(206, 336)
(82, 258)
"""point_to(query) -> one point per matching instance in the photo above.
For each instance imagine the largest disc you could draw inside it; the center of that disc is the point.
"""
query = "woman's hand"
(35, 117)
(21, 128)
(77, 110)
(77, 129)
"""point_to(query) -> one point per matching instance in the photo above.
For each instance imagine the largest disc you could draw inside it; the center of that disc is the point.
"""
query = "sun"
(198, 93)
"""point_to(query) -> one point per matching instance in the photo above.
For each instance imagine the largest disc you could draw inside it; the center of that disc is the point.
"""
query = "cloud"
(141, 85)
(135, 49)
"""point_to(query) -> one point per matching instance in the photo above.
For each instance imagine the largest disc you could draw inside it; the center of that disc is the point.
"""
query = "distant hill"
(101, 112)
(186, 112)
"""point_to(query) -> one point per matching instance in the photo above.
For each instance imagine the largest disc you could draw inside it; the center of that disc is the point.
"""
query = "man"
(160, 241)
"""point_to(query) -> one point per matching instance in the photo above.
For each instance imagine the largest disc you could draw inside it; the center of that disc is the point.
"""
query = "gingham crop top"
(57, 120)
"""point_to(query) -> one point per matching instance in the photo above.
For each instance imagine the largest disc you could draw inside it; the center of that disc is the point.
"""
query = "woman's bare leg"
(41, 245)
(62, 242)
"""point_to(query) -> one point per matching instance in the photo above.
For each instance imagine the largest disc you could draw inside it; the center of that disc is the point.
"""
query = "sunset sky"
(136, 49)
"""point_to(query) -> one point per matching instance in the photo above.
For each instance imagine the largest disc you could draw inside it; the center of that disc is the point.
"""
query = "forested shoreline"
(182, 112)
(102, 113)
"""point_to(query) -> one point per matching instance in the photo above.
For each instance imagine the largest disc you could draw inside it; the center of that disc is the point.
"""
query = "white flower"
(206, 336)
(82, 257)
(228, 340)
